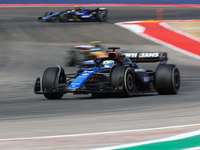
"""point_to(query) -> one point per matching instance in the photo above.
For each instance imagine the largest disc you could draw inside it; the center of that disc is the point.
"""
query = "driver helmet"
(77, 8)
(108, 63)
(96, 45)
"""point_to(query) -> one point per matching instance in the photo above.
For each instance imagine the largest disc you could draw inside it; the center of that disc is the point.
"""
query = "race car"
(82, 53)
(117, 75)
(77, 14)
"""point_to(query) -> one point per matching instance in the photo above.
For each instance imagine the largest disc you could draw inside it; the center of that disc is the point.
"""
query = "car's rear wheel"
(73, 58)
(167, 79)
(102, 16)
(69, 58)
(51, 78)
(122, 77)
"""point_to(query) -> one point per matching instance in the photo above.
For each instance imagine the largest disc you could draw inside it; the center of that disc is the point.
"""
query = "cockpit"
(107, 64)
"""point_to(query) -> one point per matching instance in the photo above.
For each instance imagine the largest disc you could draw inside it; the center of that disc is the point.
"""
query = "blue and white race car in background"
(117, 75)
(83, 14)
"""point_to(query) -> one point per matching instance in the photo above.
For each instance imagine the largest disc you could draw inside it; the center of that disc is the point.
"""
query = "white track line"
(98, 133)
(194, 148)
(177, 137)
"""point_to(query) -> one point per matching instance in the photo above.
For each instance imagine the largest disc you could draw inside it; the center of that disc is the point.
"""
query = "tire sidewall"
(129, 82)
(119, 79)
(63, 17)
(99, 16)
(175, 80)
(167, 79)
(49, 79)
(70, 58)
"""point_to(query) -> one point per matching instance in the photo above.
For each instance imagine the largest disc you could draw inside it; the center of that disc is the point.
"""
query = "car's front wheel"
(63, 17)
(122, 77)
(50, 18)
(51, 77)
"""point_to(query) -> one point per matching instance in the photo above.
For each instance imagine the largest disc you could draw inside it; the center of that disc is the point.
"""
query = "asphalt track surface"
(28, 47)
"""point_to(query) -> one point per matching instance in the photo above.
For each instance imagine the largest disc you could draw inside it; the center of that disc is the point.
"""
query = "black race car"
(81, 14)
(118, 75)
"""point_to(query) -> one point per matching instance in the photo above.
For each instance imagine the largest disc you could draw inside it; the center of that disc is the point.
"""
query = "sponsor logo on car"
(131, 55)
(88, 71)
(85, 16)
(142, 55)
(139, 70)
(102, 8)
(79, 13)
(149, 55)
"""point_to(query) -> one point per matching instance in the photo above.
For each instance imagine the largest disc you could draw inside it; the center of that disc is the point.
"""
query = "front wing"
(101, 87)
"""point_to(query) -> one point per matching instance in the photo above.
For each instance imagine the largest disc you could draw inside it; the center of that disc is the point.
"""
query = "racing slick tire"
(122, 77)
(49, 79)
(102, 16)
(167, 79)
(69, 58)
(73, 58)
(63, 17)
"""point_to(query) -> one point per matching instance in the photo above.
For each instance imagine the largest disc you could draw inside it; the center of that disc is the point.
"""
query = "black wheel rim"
(103, 16)
(64, 17)
(129, 81)
(176, 79)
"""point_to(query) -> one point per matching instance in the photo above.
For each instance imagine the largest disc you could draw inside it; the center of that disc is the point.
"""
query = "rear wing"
(147, 57)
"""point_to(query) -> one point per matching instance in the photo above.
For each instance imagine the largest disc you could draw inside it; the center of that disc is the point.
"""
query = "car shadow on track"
(89, 97)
